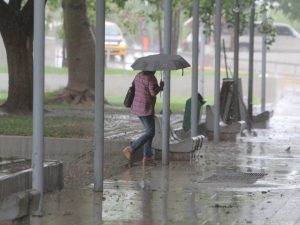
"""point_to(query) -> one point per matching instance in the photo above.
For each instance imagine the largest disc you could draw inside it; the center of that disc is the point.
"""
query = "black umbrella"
(160, 62)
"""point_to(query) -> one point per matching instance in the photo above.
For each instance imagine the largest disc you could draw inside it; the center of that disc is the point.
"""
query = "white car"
(287, 39)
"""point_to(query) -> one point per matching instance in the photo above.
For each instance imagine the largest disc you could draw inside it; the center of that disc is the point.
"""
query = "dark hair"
(149, 72)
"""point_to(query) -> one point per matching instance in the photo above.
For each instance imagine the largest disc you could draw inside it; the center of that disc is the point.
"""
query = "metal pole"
(251, 65)
(164, 190)
(99, 96)
(167, 80)
(97, 208)
(202, 59)
(217, 72)
(236, 59)
(195, 53)
(263, 68)
(38, 102)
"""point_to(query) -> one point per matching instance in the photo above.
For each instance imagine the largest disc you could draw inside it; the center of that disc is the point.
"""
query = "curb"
(66, 150)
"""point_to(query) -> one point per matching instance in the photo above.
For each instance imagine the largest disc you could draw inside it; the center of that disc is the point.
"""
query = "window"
(112, 30)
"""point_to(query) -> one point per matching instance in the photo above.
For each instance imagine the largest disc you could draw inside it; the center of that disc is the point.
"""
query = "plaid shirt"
(146, 88)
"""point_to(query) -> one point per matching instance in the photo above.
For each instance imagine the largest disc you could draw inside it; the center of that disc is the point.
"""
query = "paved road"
(52, 82)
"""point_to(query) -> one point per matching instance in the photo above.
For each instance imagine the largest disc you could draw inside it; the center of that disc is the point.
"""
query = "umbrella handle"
(159, 87)
(160, 81)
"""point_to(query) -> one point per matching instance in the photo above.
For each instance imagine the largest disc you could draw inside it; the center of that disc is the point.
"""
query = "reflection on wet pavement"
(253, 181)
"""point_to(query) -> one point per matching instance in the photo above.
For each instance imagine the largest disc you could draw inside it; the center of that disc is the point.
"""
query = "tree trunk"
(20, 70)
(80, 46)
(17, 32)
(175, 31)
(159, 27)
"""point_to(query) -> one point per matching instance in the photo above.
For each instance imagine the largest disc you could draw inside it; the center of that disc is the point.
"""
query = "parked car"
(115, 43)
(287, 39)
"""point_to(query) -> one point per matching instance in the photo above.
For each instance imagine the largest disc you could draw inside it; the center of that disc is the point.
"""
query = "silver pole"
(164, 188)
(195, 53)
(38, 102)
(236, 59)
(217, 72)
(99, 96)
(263, 69)
(202, 59)
(251, 65)
(167, 80)
(97, 208)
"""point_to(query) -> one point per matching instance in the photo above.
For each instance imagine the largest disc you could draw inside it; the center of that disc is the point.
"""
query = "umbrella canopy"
(160, 62)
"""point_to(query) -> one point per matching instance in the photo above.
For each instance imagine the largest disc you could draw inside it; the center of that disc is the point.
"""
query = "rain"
(246, 170)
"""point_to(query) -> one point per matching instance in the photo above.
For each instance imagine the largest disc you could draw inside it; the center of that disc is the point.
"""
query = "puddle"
(13, 165)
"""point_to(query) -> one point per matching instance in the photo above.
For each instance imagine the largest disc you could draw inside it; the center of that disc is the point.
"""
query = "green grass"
(15, 125)
(67, 127)
(3, 96)
(49, 96)
(177, 104)
(65, 106)
(56, 70)
(256, 100)
(72, 126)
(3, 69)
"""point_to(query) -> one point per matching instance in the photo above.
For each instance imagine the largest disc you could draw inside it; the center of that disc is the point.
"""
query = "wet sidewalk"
(253, 181)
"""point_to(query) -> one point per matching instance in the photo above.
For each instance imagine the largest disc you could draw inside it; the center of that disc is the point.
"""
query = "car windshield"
(111, 30)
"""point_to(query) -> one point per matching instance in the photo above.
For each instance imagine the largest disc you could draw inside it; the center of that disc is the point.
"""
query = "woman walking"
(146, 89)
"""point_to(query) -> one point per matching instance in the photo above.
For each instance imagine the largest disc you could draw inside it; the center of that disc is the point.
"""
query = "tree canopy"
(289, 7)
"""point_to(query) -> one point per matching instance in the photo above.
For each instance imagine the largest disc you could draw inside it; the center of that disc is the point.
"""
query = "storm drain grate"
(240, 177)
(256, 175)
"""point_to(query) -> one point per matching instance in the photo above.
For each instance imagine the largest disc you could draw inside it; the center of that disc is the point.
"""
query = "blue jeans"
(147, 137)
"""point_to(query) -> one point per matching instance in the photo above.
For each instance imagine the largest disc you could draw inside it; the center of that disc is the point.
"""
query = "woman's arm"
(154, 88)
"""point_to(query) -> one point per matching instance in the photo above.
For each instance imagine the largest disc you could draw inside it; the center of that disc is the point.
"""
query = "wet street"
(255, 180)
